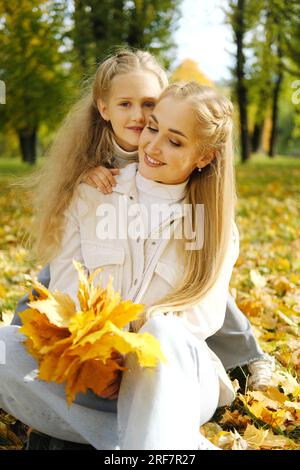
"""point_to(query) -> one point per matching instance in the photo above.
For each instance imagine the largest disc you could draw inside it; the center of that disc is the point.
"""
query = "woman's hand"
(101, 178)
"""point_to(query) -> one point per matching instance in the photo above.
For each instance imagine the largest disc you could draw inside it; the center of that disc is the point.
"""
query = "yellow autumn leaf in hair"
(83, 348)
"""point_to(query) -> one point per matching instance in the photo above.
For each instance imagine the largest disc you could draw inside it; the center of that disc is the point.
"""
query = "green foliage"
(145, 24)
(32, 62)
(270, 47)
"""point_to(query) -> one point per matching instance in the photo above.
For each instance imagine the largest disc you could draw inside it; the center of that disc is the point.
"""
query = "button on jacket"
(143, 269)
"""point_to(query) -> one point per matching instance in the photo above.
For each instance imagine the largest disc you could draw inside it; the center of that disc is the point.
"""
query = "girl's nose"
(138, 114)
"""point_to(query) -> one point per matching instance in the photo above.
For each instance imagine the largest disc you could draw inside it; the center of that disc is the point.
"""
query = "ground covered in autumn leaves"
(265, 283)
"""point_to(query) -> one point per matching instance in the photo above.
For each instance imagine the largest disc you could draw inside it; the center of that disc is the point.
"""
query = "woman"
(103, 130)
(184, 289)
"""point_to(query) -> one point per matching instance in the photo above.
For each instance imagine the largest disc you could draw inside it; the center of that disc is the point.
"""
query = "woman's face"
(131, 99)
(169, 140)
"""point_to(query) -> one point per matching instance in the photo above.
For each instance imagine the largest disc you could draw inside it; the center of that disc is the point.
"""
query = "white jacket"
(143, 270)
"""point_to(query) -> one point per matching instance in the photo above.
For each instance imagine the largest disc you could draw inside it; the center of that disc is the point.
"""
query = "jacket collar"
(125, 180)
(126, 184)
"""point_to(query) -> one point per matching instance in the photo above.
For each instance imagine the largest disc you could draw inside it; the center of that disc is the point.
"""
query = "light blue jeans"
(157, 408)
(234, 343)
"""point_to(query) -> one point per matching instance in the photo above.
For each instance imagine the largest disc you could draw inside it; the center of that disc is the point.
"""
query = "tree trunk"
(256, 137)
(27, 141)
(80, 39)
(241, 87)
(136, 35)
(276, 94)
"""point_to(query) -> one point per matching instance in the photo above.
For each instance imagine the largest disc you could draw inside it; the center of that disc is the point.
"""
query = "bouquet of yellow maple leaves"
(83, 348)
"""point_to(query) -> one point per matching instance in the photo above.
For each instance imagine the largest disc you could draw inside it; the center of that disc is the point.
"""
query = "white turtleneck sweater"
(123, 157)
(157, 200)
(150, 192)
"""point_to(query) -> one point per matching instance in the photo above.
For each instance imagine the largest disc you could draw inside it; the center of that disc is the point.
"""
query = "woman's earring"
(199, 169)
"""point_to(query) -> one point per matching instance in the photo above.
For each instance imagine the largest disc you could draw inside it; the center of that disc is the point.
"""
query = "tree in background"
(144, 24)
(260, 70)
(48, 46)
(286, 26)
(189, 70)
(81, 34)
(267, 38)
(237, 15)
(273, 45)
(31, 59)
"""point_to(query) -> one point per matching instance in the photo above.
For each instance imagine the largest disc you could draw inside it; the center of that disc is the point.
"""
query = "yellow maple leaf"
(58, 308)
(39, 330)
(257, 279)
(273, 418)
(258, 439)
(254, 436)
(279, 442)
(235, 418)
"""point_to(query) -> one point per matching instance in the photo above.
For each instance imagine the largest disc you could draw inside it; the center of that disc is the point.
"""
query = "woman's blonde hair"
(214, 187)
(83, 141)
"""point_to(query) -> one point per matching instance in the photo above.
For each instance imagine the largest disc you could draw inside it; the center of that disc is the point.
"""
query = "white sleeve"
(63, 275)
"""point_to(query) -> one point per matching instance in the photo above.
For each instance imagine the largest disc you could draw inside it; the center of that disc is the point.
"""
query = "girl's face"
(131, 99)
(169, 140)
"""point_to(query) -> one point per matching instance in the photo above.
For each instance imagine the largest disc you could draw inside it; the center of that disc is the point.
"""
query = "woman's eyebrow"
(178, 132)
(171, 130)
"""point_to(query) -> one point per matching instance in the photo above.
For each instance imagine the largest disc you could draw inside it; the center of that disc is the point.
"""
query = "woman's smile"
(152, 162)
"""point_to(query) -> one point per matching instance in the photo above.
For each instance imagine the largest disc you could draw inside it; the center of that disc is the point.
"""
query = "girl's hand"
(101, 178)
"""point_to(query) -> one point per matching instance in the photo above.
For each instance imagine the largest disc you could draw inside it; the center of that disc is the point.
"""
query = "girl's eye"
(151, 129)
(149, 104)
(125, 104)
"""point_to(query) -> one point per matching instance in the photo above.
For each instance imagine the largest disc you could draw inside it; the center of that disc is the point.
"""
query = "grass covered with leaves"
(265, 283)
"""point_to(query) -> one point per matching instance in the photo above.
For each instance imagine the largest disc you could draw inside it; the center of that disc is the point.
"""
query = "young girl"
(100, 136)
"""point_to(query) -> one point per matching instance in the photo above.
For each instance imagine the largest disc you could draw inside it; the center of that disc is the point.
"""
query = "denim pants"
(157, 408)
(234, 343)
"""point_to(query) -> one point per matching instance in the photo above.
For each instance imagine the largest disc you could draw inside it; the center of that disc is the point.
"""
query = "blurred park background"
(248, 48)
(250, 51)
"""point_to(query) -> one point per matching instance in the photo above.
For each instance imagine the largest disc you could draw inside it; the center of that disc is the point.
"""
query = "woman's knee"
(8, 338)
(173, 336)
(163, 327)
(13, 356)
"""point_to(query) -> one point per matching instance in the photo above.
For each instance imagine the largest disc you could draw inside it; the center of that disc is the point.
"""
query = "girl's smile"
(136, 128)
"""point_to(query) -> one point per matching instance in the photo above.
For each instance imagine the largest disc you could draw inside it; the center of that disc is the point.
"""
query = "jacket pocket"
(111, 260)
(168, 271)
